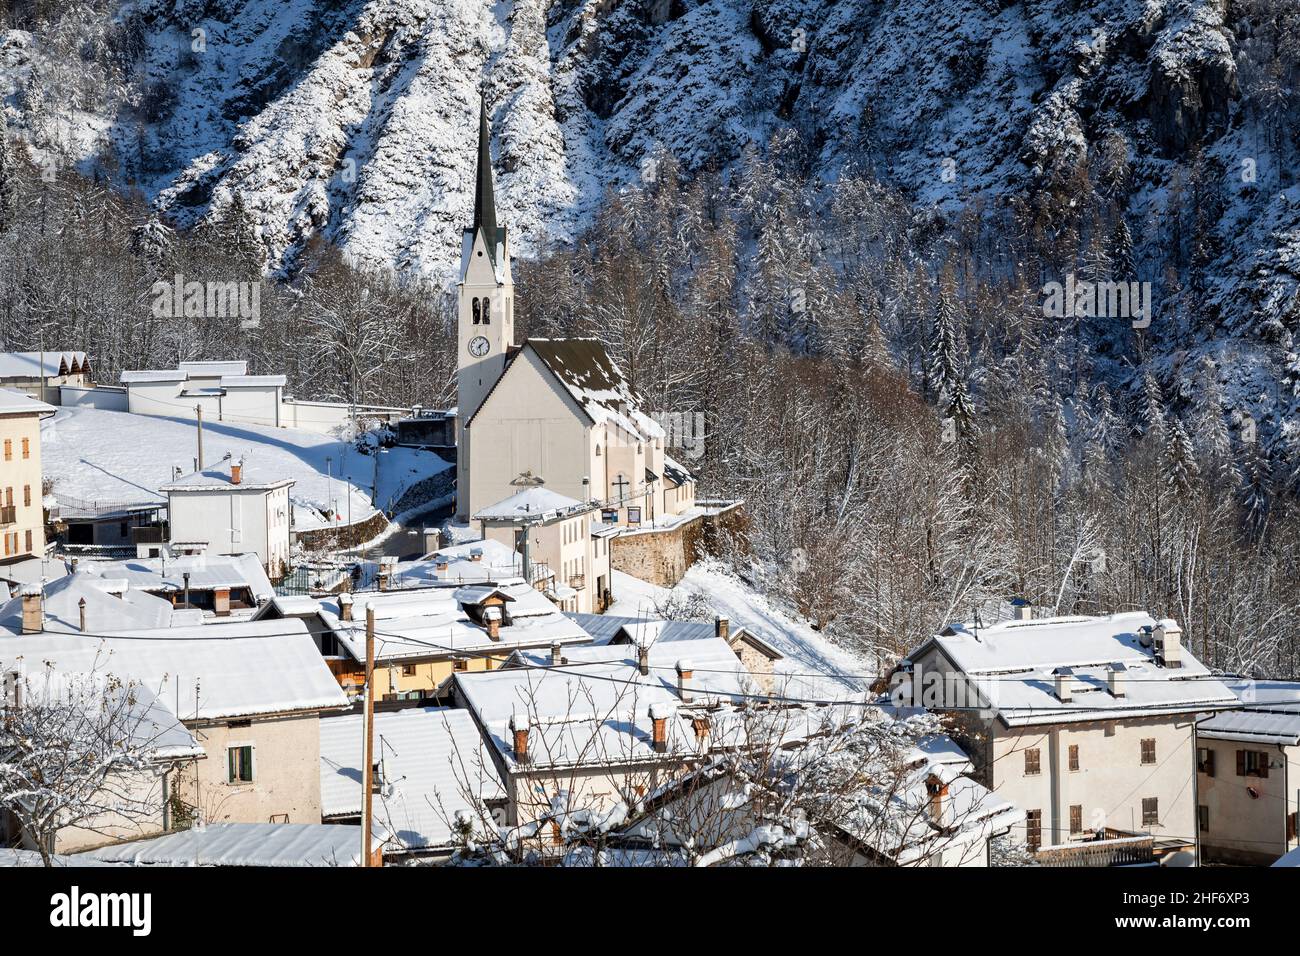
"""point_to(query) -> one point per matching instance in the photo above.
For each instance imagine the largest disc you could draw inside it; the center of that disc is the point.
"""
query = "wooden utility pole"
(198, 410)
(368, 768)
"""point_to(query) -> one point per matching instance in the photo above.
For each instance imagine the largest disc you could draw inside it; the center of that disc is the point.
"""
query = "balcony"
(577, 581)
(1106, 848)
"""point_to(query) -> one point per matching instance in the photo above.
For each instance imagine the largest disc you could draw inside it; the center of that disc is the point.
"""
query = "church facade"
(557, 409)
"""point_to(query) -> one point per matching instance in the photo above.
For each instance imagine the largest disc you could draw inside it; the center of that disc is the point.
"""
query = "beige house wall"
(1247, 828)
(18, 473)
(286, 771)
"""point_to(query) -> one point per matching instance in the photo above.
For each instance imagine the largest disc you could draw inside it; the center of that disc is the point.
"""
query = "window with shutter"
(1032, 764)
(1034, 829)
(1148, 750)
(1076, 818)
(1205, 761)
(1074, 756)
(1150, 811)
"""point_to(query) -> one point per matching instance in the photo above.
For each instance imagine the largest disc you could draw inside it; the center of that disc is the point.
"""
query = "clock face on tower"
(479, 346)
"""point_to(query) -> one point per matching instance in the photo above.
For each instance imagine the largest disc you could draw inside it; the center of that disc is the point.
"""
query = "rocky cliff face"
(352, 121)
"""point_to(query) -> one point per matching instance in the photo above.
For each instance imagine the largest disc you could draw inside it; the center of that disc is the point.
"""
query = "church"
(556, 409)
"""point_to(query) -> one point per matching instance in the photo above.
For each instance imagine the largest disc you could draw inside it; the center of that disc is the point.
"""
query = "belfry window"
(477, 315)
(487, 311)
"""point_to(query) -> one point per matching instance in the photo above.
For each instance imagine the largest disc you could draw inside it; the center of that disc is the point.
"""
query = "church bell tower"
(486, 319)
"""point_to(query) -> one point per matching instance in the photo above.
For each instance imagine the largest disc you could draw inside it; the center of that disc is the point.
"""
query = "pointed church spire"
(485, 207)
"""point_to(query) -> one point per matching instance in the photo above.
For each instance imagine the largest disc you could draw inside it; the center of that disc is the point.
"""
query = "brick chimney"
(493, 617)
(937, 791)
(519, 728)
(440, 564)
(659, 714)
(345, 606)
(722, 628)
(476, 555)
(701, 727)
(237, 471)
(33, 609)
(81, 614)
(557, 657)
(685, 680)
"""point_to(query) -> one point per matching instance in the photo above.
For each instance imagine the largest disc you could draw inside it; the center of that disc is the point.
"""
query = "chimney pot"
(659, 714)
(33, 609)
(556, 653)
(81, 613)
(236, 472)
(1116, 679)
(476, 555)
(519, 728)
(937, 791)
(685, 679)
(493, 618)
(1064, 684)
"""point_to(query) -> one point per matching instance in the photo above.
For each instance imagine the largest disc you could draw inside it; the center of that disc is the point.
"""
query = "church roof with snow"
(586, 371)
(529, 503)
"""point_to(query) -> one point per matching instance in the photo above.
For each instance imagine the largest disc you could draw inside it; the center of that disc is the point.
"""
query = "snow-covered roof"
(253, 477)
(432, 758)
(421, 623)
(111, 605)
(141, 376)
(28, 364)
(530, 503)
(676, 472)
(206, 571)
(203, 672)
(597, 707)
(244, 844)
(607, 628)
(20, 403)
(583, 367)
(218, 368)
(1270, 714)
(253, 381)
(1012, 664)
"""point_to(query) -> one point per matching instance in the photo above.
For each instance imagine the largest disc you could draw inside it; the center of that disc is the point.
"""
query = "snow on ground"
(814, 667)
(101, 456)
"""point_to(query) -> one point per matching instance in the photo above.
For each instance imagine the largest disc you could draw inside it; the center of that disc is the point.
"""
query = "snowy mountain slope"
(353, 119)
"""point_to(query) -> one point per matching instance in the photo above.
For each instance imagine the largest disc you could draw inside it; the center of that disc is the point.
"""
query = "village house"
(596, 725)
(426, 635)
(757, 656)
(40, 375)
(1247, 773)
(431, 768)
(22, 518)
(129, 803)
(251, 693)
(1087, 723)
(224, 391)
(927, 811)
(217, 587)
(86, 603)
(559, 537)
(233, 509)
